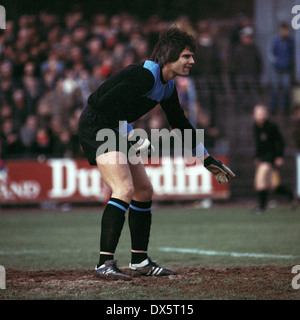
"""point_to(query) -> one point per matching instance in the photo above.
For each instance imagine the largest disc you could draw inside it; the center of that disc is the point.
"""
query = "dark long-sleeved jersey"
(134, 91)
(269, 142)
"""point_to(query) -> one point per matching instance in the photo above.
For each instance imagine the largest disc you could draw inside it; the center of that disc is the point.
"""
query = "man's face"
(284, 32)
(260, 115)
(182, 66)
(246, 40)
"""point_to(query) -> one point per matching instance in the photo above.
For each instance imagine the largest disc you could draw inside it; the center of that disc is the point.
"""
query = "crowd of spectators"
(50, 64)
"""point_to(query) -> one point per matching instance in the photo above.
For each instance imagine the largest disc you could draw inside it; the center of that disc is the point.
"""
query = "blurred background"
(53, 54)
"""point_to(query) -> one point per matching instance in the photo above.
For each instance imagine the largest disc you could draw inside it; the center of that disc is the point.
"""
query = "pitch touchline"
(167, 249)
(231, 254)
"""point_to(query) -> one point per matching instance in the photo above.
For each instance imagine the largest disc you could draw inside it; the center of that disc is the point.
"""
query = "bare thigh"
(263, 176)
(116, 173)
(143, 190)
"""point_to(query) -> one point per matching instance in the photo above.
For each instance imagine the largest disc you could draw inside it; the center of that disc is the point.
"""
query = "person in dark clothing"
(269, 155)
(246, 66)
(120, 100)
(207, 73)
(296, 128)
(11, 144)
(42, 147)
(242, 21)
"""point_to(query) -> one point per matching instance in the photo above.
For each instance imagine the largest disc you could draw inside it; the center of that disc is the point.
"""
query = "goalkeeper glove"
(218, 169)
(141, 145)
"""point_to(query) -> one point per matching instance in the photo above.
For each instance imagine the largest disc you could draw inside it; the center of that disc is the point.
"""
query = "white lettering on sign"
(67, 179)
(12, 190)
(171, 177)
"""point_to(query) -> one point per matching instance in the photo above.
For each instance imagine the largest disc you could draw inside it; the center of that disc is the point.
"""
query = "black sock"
(262, 199)
(281, 189)
(139, 224)
(111, 226)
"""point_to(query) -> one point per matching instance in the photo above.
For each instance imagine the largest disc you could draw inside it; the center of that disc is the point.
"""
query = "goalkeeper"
(124, 98)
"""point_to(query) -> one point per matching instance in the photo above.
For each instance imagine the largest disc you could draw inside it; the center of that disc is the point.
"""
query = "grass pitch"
(35, 239)
(201, 241)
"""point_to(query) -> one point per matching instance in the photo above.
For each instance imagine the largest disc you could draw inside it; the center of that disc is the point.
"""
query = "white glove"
(141, 145)
(144, 147)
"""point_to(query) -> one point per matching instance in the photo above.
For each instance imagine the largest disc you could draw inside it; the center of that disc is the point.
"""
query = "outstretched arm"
(177, 119)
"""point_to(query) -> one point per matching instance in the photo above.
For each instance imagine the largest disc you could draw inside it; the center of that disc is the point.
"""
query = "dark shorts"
(96, 138)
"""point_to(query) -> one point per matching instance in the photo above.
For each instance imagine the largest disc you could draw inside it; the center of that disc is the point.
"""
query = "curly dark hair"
(170, 44)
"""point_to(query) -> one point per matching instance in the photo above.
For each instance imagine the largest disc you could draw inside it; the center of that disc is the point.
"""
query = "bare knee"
(124, 192)
(143, 193)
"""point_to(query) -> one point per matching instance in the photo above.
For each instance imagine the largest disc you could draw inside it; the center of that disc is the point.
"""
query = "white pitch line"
(230, 254)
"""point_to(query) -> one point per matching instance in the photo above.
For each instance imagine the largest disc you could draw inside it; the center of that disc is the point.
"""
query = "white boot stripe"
(110, 271)
(157, 270)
